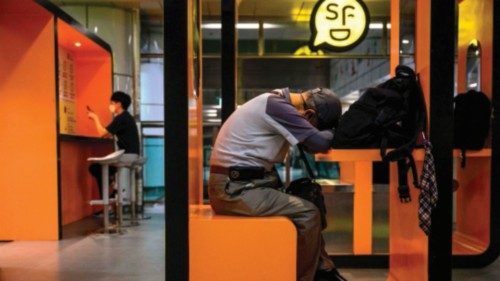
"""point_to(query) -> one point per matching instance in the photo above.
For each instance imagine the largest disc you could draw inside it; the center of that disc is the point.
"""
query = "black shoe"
(332, 275)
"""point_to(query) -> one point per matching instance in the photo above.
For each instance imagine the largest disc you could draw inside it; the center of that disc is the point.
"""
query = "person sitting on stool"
(123, 127)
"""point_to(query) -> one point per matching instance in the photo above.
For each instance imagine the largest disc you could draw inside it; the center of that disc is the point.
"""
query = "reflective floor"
(136, 256)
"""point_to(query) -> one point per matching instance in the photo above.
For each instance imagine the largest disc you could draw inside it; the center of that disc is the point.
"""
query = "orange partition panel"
(228, 248)
(28, 174)
(395, 22)
(472, 234)
(475, 21)
(78, 186)
(195, 97)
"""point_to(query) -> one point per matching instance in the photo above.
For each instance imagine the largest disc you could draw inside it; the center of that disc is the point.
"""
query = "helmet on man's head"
(327, 106)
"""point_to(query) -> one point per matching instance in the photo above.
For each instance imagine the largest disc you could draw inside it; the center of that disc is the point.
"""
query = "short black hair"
(122, 98)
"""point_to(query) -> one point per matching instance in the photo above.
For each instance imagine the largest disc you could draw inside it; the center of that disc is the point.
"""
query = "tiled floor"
(138, 255)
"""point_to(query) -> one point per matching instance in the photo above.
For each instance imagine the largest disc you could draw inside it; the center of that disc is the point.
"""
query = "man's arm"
(100, 128)
(319, 142)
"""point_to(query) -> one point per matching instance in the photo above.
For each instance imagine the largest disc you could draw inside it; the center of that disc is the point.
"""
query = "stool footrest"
(101, 202)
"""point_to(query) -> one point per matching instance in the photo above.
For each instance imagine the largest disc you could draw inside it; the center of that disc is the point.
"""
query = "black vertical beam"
(441, 133)
(228, 57)
(176, 140)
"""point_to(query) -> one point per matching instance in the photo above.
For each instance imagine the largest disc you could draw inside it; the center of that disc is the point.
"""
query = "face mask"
(112, 108)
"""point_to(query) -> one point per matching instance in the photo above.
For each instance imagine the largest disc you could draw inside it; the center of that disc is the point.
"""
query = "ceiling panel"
(294, 10)
(151, 10)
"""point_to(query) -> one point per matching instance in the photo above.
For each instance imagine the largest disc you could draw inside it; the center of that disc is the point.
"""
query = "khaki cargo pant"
(261, 198)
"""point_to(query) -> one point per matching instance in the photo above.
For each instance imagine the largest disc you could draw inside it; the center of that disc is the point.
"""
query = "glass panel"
(123, 83)
(473, 66)
(407, 33)
(472, 185)
(152, 91)
(268, 60)
(115, 27)
(154, 179)
(79, 13)
(273, 53)
(211, 73)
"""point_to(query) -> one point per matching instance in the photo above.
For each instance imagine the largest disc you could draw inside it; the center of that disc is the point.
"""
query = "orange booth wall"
(28, 135)
(30, 139)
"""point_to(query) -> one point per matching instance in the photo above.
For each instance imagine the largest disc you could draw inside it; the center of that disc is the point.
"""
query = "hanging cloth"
(428, 190)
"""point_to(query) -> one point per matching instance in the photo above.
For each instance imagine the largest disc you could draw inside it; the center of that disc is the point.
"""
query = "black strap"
(413, 167)
(404, 165)
(403, 189)
(383, 147)
(304, 159)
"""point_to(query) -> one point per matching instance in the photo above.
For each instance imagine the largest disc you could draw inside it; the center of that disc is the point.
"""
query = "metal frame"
(229, 52)
(442, 63)
(176, 134)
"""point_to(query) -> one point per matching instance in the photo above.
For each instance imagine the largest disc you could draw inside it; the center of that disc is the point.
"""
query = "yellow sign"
(338, 25)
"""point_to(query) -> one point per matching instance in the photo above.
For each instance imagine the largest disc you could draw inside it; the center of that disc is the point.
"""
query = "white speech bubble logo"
(338, 25)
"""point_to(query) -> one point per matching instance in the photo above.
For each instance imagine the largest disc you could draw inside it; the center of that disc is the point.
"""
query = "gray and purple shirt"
(260, 132)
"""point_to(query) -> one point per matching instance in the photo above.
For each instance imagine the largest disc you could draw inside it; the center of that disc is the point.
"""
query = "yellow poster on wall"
(67, 93)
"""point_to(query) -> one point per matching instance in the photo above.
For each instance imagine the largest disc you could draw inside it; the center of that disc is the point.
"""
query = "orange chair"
(228, 248)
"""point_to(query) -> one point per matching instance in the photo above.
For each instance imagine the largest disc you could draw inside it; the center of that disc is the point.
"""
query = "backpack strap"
(403, 189)
(306, 163)
(404, 165)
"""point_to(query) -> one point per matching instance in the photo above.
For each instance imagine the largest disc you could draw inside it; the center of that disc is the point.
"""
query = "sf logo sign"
(338, 25)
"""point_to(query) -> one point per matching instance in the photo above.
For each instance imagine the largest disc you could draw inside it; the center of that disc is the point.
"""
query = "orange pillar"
(408, 244)
(363, 211)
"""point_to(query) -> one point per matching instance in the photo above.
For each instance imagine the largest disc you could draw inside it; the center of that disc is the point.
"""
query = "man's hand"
(100, 128)
(92, 115)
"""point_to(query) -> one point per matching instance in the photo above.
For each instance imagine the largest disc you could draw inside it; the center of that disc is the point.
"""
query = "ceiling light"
(379, 25)
(405, 41)
(240, 25)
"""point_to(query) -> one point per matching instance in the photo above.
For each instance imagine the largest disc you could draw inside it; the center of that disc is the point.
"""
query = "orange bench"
(228, 248)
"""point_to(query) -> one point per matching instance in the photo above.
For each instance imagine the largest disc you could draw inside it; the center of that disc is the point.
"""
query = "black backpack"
(472, 116)
(391, 115)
